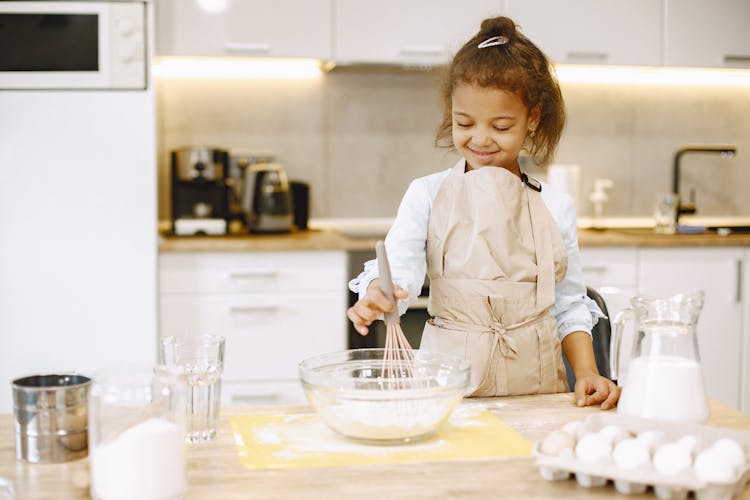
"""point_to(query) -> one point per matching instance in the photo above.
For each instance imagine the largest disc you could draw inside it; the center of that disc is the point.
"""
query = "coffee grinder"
(199, 190)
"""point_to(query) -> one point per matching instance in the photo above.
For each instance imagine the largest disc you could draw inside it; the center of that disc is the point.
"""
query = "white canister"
(137, 434)
(566, 178)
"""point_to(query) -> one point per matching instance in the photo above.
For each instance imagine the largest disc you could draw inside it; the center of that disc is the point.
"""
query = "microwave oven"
(73, 45)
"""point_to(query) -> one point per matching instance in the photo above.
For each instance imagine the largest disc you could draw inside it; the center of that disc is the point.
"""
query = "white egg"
(731, 451)
(711, 466)
(688, 442)
(651, 439)
(556, 442)
(593, 447)
(671, 459)
(574, 428)
(631, 454)
(614, 433)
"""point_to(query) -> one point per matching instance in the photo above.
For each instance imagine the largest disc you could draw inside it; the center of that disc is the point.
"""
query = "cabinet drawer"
(262, 393)
(252, 272)
(609, 267)
(266, 335)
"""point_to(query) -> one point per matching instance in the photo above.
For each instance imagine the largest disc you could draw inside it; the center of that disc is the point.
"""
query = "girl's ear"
(534, 116)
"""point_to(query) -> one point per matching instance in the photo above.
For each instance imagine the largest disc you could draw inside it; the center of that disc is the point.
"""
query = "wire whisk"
(398, 355)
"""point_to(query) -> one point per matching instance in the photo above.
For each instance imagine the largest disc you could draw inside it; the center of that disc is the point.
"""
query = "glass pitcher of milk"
(664, 377)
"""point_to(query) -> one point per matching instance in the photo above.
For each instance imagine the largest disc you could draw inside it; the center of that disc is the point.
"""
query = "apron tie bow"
(504, 342)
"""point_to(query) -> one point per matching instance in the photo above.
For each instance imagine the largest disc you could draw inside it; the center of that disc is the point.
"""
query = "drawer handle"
(736, 59)
(595, 269)
(249, 275)
(434, 50)
(586, 56)
(253, 309)
(259, 47)
(254, 398)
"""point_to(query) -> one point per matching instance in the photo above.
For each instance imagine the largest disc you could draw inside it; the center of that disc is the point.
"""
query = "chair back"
(601, 333)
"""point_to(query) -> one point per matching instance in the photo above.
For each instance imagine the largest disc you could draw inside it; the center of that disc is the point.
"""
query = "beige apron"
(494, 253)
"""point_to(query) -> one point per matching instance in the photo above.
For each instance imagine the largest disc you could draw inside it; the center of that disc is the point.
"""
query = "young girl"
(500, 249)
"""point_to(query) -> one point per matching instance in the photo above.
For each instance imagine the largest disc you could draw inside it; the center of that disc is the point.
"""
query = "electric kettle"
(664, 377)
(267, 200)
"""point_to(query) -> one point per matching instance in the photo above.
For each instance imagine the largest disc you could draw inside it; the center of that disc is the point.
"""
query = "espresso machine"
(199, 190)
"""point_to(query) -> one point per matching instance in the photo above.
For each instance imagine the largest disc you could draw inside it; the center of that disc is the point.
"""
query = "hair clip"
(492, 41)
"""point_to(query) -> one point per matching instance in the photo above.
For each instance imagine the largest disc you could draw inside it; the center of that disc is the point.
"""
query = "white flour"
(147, 462)
(387, 420)
(302, 435)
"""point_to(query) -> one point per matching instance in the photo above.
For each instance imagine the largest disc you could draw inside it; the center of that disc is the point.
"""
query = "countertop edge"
(331, 240)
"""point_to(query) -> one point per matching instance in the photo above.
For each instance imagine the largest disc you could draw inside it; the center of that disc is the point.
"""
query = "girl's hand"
(372, 305)
(595, 389)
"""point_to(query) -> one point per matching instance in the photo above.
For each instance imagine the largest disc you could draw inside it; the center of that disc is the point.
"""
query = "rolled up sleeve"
(406, 245)
(573, 309)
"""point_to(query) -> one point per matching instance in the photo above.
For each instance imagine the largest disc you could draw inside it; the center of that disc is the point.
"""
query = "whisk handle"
(386, 282)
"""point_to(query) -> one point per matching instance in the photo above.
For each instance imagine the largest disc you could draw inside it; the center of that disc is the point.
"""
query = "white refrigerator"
(78, 236)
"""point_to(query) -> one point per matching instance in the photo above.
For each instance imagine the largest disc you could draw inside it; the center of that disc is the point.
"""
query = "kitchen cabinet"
(249, 28)
(710, 34)
(418, 32)
(619, 273)
(716, 271)
(627, 32)
(274, 308)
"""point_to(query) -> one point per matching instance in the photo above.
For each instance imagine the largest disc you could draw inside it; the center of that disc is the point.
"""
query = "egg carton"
(637, 481)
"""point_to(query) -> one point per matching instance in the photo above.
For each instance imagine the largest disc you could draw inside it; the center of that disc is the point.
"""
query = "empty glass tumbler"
(136, 434)
(665, 213)
(201, 362)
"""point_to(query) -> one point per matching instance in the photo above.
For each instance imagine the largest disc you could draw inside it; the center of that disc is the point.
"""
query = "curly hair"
(517, 66)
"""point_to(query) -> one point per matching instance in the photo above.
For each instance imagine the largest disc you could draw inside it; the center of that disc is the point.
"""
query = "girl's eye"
(502, 129)
(463, 125)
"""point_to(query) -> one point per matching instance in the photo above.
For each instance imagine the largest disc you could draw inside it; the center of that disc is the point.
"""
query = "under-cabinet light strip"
(242, 68)
(637, 75)
(227, 68)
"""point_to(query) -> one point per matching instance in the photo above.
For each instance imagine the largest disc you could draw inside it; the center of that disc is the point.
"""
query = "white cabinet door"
(262, 393)
(593, 31)
(274, 309)
(267, 335)
(716, 271)
(249, 28)
(411, 32)
(712, 34)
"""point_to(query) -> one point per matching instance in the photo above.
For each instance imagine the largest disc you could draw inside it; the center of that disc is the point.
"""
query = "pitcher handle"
(616, 340)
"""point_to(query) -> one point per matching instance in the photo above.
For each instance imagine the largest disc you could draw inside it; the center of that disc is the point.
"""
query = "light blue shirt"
(406, 244)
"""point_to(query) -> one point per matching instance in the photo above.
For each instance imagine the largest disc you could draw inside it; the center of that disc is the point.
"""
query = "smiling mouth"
(483, 154)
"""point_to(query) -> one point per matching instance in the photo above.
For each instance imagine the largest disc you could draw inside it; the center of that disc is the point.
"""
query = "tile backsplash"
(359, 136)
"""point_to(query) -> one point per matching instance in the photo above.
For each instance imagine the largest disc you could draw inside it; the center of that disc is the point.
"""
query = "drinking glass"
(201, 362)
(665, 213)
(136, 434)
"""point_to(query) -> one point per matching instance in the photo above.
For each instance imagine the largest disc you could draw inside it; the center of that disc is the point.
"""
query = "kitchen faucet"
(726, 151)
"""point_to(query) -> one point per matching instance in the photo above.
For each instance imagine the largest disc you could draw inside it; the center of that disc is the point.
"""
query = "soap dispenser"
(598, 198)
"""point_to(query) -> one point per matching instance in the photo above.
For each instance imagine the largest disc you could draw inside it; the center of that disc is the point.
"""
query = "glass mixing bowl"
(354, 396)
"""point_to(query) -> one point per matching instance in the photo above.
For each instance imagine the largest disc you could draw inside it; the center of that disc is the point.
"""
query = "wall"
(359, 136)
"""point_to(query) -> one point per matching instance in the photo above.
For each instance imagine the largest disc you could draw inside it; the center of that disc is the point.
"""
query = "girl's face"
(490, 126)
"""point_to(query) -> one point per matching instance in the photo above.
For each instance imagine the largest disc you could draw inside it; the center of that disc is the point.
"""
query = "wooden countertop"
(215, 472)
(332, 240)
(299, 240)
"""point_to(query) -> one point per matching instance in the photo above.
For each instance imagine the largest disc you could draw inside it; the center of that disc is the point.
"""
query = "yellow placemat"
(275, 441)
